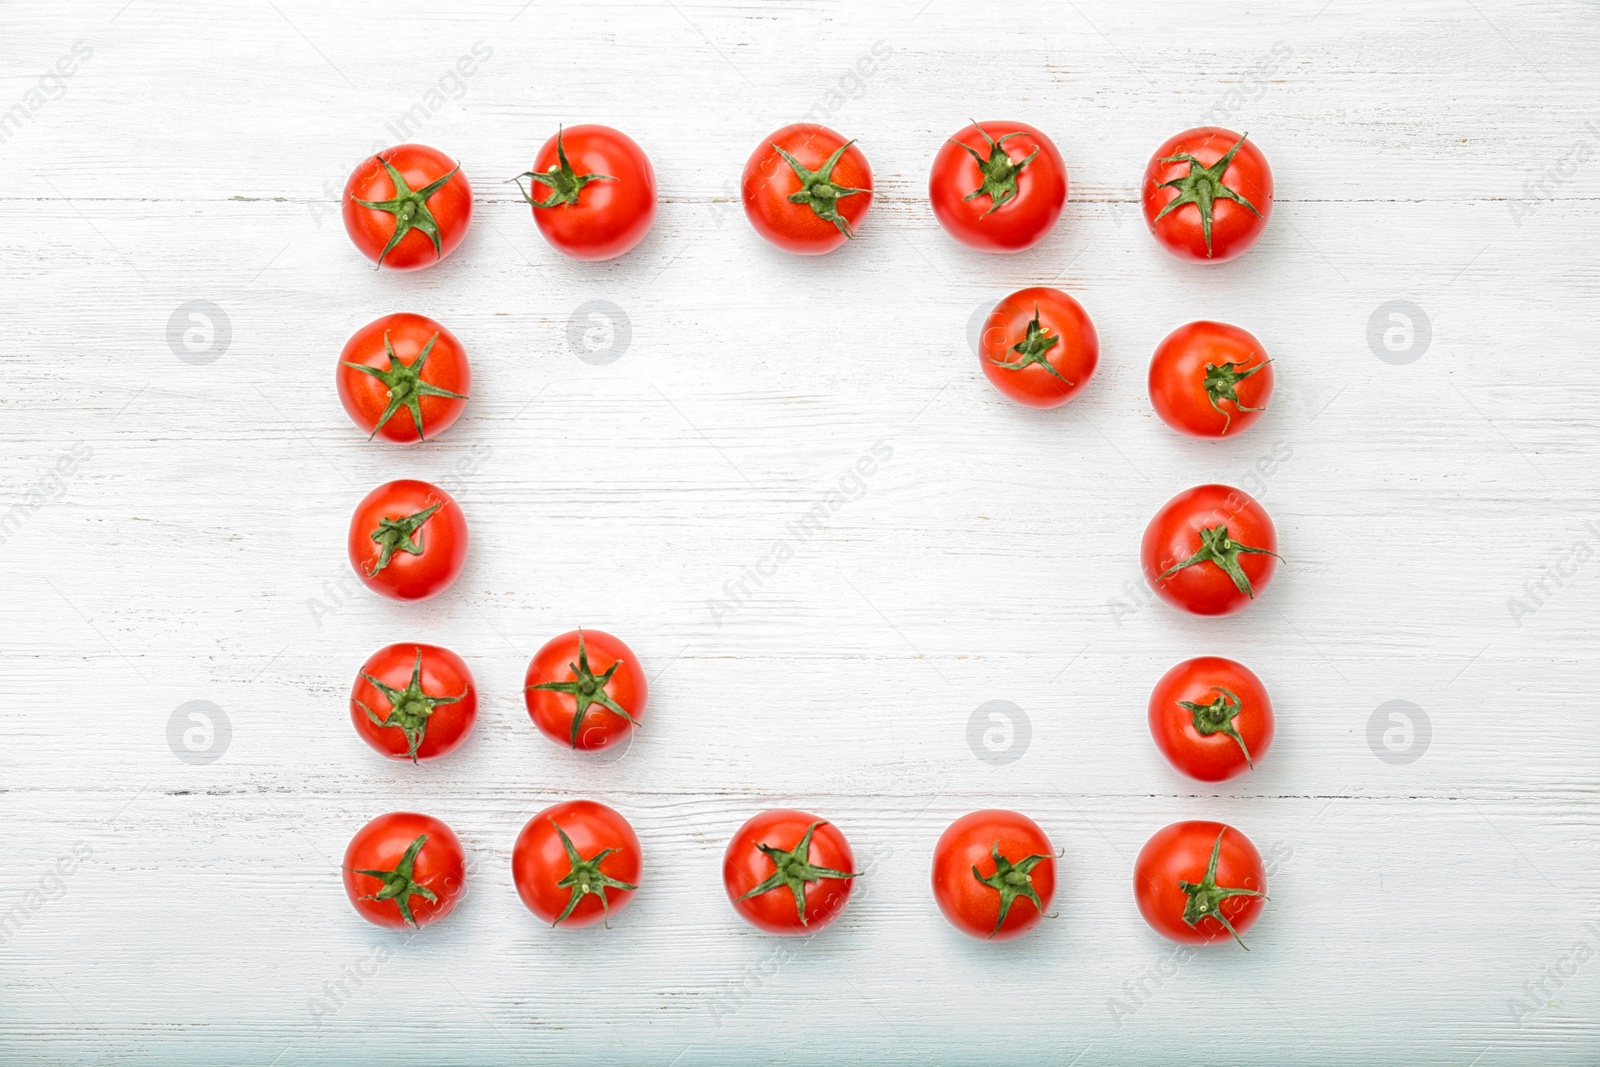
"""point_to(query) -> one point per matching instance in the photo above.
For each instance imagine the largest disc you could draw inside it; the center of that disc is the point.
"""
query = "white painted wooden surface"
(1441, 911)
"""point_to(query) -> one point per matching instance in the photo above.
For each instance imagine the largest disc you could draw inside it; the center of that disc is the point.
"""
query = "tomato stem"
(1217, 547)
(565, 185)
(409, 708)
(409, 208)
(1032, 349)
(1217, 717)
(817, 189)
(1206, 897)
(999, 171)
(586, 688)
(1010, 880)
(394, 535)
(795, 870)
(405, 385)
(1202, 187)
(1221, 383)
(398, 884)
(585, 877)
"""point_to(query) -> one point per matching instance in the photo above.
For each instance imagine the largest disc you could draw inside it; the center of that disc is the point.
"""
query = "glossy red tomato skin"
(1174, 535)
(444, 674)
(1210, 757)
(365, 397)
(538, 861)
(968, 904)
(610, 217)
(552, 712)
(370, 229)
(744, 867)
(1181, 852)
(1178, 372)
(1074, 356)
(1234, 228)
(768, 180)
(440, 866)
(1023, 220)
(444, 541)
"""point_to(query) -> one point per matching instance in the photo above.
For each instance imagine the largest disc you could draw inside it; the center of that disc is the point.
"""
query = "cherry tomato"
(1038, 347)
(414, 701)
(593, 192)
(407, 363)
(1211, 718)
(585, 689)
(1210, 550)
(404, 869)
(1209, 379)
(998, 186)
(408, 540)
(576, 864)
(407, 207)
(1198, 882)
(994, 874)
(787, 872)
(1207, 194)
(806, 189)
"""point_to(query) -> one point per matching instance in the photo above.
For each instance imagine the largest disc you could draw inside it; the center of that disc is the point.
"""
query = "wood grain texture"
(174, 532)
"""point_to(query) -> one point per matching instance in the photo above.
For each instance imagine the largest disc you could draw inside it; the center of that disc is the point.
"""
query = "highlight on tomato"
(1038, 347)
(592, 191)
(585, 689)
(788, 872)
(414, 701)
(998, 186)
(403, 377)
(1210, 550)
(1211, 718)
(407, 207)
(404, 869)
(1207, 194)
(407, 540)
(994, 874)
(576, 864)
(1198, 882)
(1210, 379)
(806, 189)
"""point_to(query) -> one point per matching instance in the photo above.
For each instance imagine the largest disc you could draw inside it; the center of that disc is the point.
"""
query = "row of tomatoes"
(994, 186)
(790, 872)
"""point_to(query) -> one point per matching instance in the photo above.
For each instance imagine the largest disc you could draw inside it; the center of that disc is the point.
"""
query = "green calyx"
(410, 209)
(395, 535)
(817, 189)
(999, 170)
(405, 384)
(1010, 880)
(1222, 382)
(409, 708)
(585, 877)
(586, 688)
(398, 884)
(565, 185)
(795, 871)
(1217, 547)
(1033, 349)
(1206, 897)
(1217, 717)
(1203, 187)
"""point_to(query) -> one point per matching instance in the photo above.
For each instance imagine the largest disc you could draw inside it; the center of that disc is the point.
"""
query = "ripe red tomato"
(1211, 718)
(588, 707)
(994, 874)
(1209, 379)
(1210, 550)
(1198, 881)
(403, 361)
(1207, 194)
(414, 701)
(1038, 347)
(998, 186)
(407, 207)
(596, 192)
(404, 869)
(806, 189)
(787, 872)
(408, 540)
(576, 863)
